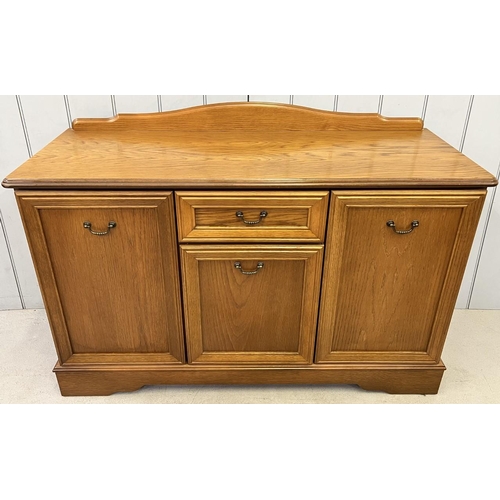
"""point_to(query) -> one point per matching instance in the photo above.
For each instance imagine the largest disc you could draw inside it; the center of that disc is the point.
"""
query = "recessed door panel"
(251, 303)
(394, 264)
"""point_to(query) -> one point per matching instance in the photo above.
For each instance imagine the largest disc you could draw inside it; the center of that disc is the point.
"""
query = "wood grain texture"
(114, 302)
(249, 160)
(204, 216)
(388, 296)
(115, 294)
(247, 116)
(269, 317)
(94, 380)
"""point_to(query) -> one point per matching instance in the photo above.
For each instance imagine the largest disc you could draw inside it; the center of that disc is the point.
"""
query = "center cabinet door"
(251, 303)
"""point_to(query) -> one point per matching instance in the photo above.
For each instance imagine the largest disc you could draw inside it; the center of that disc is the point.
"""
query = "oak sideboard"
(249, 243)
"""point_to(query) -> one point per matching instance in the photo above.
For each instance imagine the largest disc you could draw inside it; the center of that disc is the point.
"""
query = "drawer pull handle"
(392, 224)
(88, 225)
(260, 265)
(252, 222)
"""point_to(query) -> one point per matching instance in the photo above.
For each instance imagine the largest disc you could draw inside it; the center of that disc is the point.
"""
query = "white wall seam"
(483, 238)
(483, 248)
(113, 105)
(424, 107)
(380, 104)
(23, 123)
(483, 235)
(12, 263)
(68, 110)
(466, 124)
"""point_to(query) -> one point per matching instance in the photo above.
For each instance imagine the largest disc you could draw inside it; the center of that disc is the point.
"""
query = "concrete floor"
(471, 354)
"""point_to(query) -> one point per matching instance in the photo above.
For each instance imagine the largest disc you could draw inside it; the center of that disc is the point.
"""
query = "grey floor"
(471, 354)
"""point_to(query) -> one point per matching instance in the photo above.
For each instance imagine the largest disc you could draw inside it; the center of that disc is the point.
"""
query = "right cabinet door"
(393, 268)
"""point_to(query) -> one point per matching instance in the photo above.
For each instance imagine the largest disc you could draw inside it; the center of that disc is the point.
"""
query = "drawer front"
(251, 303)
(222, 216)
(393, 268)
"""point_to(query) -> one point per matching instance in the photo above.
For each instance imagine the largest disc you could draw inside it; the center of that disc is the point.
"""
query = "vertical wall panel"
(486, 292)
(46, 118)
(358, 103)
(212, 99)
(170, 102)
(9, 296)
(482, 144)
(445, 116)
(470, 270)
(285, 99)
(136, 103)
(403, 105)
(90, 106)
(14, 152)
(315, 101)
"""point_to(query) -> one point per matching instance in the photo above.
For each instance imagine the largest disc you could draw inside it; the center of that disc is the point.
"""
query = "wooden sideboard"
(249, 244)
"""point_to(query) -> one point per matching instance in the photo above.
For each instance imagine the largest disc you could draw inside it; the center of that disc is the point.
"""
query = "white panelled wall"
(469, 123)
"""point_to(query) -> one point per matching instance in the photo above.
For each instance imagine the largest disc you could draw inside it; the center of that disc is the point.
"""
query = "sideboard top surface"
(162, 150)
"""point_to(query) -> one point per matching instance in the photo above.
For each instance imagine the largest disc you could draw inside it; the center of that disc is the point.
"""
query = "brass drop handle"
(88, 225)
(260, 265)
(392, 224)
(263, 214)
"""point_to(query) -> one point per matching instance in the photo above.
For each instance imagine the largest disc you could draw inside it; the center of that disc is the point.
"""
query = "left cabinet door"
(107, 265)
